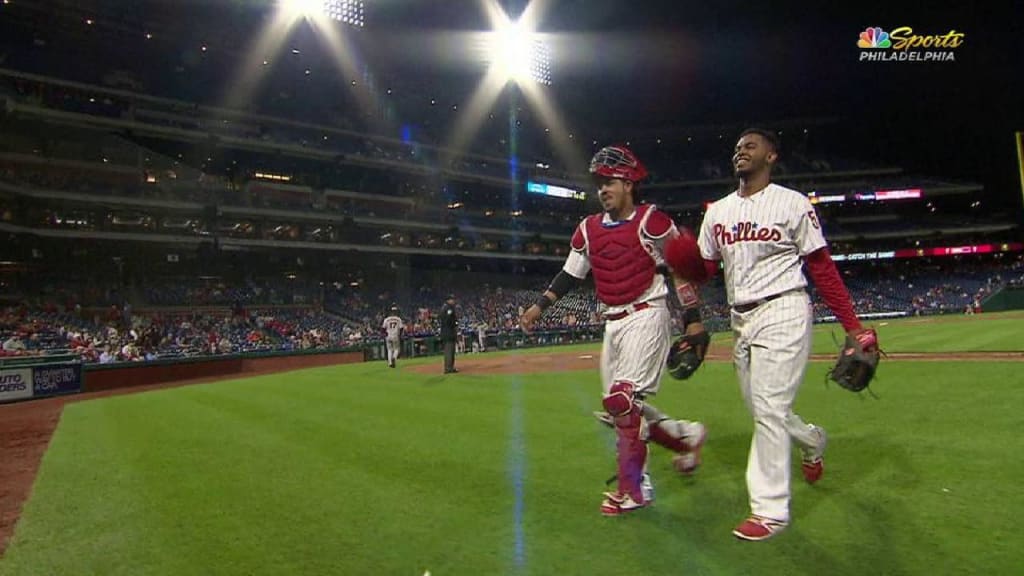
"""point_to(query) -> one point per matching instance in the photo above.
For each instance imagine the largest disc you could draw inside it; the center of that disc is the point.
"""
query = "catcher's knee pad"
(621, 398)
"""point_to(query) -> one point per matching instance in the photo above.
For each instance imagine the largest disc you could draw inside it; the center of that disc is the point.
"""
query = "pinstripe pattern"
(635, 348)
(773, 344)
(761, 240)
(757, 268)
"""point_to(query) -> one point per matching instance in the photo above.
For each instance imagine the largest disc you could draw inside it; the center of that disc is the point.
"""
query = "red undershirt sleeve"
(822, 271)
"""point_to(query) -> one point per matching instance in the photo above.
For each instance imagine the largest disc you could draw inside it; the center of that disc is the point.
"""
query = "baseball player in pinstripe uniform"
(622, 247)
(393, 326)
(763, 234)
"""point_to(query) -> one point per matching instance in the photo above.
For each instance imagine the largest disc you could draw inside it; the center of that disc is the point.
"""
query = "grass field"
(359, 469)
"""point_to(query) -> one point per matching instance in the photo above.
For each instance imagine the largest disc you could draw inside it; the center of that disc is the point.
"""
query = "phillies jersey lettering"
(761, 240)
(746, 232)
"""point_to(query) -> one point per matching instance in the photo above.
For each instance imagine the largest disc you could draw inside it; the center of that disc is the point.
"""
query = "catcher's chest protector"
(623, 269)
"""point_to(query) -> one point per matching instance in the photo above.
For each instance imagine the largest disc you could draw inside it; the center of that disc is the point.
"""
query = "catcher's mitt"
(858, 359)
(687, 354)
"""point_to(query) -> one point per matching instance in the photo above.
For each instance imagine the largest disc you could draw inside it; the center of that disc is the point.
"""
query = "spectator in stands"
(14, 345)
(106, 357)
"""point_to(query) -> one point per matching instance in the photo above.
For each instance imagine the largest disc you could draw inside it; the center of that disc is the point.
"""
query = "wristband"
(543, 302)
(687, 295)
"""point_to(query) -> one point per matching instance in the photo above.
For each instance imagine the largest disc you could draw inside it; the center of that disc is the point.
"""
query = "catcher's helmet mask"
(617, 162)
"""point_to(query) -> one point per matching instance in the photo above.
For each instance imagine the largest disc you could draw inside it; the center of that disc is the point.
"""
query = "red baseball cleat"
(757, 528)
(617, 504)
(813, 470)
(687, 463)
(813, 465)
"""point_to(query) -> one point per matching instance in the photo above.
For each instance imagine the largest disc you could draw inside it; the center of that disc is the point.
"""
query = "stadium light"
(350, 12)
(347, 11)
(302, 8)
(519, 54)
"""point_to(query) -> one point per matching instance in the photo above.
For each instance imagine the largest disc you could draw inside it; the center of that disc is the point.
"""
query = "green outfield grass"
(1002, 332)
(360, 469)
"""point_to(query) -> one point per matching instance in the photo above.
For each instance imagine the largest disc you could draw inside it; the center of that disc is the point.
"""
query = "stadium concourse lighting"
(519, 54)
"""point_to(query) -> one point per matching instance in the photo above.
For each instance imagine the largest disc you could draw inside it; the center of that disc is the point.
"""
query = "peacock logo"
(874, 37)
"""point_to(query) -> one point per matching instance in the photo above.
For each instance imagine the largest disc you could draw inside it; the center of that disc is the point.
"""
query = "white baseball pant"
(635, 348)
(773, 345)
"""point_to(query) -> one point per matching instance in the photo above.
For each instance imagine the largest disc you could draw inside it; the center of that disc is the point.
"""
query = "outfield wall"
(112, 376)
(1009, 298)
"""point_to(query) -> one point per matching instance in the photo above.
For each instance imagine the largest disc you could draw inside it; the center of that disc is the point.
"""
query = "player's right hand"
(529, 317)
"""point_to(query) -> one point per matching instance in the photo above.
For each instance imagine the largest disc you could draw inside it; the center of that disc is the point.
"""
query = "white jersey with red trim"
(761, 240)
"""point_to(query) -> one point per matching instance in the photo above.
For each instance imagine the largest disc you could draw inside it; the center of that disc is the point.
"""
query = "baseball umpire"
(449, 332)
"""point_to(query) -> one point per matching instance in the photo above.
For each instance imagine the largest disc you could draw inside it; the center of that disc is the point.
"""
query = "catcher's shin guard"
(668, 434)
(677, 435)
(631, 447)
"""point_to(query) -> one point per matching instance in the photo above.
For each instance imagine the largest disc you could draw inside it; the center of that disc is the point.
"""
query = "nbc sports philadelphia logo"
(904, 45)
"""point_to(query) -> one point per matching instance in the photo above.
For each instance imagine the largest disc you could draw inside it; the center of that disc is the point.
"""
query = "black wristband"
(562, 283)
(691, 315)
(543, 302)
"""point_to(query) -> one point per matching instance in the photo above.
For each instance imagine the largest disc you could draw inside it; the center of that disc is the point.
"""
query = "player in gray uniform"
(393, 327)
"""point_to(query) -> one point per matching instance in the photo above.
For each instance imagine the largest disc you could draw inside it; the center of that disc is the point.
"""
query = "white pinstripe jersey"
(393, 327)
(761, 240)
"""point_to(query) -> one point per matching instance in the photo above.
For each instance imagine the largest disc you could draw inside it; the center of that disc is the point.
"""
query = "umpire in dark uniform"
(449, 332)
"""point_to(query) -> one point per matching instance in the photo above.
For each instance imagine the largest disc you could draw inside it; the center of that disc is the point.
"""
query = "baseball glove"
(858, 359)
(686, 354)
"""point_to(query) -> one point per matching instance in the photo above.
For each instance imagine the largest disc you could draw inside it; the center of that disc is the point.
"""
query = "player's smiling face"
(615, 195)
(753, 154)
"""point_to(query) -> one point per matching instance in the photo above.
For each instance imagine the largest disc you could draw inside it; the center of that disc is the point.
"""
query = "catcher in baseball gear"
(857, 362)
(687, 354)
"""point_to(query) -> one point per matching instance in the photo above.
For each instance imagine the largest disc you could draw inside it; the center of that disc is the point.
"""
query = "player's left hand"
(858, 360)
(867, 338)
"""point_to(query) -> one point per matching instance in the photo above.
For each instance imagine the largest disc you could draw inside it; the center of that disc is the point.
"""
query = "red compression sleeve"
(826, 279)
